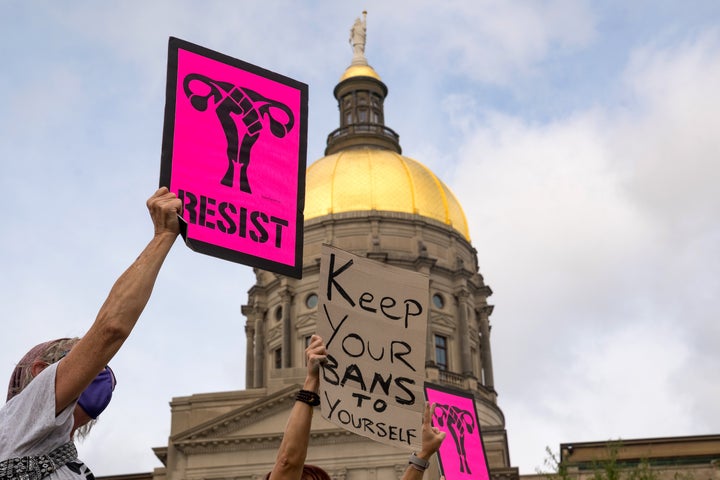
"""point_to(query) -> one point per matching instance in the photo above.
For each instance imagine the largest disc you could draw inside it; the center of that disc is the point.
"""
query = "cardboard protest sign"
(462, 454)
(234, 151)
(373, 319)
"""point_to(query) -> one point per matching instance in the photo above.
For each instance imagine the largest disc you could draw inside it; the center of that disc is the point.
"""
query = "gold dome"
(372, 179)
(360, 71)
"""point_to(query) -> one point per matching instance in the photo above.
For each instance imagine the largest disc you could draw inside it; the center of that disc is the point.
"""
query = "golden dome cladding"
(360, 71)
(371, 179)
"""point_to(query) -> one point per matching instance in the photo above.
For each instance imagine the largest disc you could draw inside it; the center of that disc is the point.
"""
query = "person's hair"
(83, 431)
(48, 352)
(312, 472)
(309, 472)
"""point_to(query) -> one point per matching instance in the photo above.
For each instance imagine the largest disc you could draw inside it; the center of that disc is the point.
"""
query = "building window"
(278, 313)
(475, 361)
(438, 301)
(277, 358)
(311, 301)
(441, 352)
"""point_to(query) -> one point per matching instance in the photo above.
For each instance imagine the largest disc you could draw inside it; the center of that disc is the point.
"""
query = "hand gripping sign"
(462, 454)
(373, 318)
(234, 151)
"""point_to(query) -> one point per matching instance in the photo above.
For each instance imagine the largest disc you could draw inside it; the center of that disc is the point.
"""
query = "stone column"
(485, 352)
(249, 353)
(430, 347)
(286, 296)
(423, 265)
(464, 332)
(259, 370)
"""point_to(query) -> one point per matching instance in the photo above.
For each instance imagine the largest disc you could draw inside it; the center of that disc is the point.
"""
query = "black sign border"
(166, 156)
(465, 394)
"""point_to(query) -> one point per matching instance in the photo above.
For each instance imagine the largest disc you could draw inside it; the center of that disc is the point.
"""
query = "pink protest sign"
(234, 151)
(462, 454)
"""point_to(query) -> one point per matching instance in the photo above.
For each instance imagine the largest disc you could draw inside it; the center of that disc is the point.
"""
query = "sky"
(581, 138)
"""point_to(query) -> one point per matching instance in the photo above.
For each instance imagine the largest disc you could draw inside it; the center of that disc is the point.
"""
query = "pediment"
(259, 424)
(305, 320)
(274, 333)
(443, 321)
(242, 418)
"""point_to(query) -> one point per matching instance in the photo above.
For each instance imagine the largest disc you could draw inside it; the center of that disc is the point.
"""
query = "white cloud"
(617, 384)
(489, 41)
(604, 225)
(671, 139)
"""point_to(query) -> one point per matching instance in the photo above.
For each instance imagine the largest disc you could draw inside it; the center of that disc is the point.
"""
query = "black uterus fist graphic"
(459, 422)
(233, 104)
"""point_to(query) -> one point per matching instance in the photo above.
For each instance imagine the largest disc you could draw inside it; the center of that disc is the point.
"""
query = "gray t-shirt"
(28, 425)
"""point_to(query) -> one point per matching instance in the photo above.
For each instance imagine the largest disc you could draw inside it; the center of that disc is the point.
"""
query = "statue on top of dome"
(357, 39)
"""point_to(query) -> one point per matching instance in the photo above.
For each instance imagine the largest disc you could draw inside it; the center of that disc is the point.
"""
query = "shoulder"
(28, 425)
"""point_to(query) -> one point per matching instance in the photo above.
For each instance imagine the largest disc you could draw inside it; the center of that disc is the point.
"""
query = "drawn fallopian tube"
(459, 422)
(233, 104)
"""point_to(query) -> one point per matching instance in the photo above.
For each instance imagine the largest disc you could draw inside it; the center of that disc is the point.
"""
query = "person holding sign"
(290, 461)
(432, 438)
(59, 387)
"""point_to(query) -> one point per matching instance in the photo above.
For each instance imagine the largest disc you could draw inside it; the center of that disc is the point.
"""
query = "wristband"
(306, 396)
(418, 463)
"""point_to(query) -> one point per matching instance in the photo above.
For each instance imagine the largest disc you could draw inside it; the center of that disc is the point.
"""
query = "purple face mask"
(97, 395)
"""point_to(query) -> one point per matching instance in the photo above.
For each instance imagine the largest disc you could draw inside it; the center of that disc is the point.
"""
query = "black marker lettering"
(418, 310)
(332, 273)
(384, 304)
(359, 345)
(404, 349)
(335, 330)
(329, 367)
(400, 382)
(367, 297)
(383, 382)
(332, 406)
(360, 397)
(352, 372)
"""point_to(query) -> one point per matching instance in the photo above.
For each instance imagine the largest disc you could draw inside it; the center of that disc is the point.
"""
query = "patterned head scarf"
(48, 352)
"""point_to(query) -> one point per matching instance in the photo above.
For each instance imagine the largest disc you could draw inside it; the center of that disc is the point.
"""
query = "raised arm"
(432, 438)
(123, 306)
(293, 448)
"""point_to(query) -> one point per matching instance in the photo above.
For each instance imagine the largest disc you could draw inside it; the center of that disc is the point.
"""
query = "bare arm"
(123, 306)
(293, 448)
(432, 438)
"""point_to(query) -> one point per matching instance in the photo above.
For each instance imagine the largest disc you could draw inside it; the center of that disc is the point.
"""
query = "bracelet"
(418, 463)
(306, 396)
